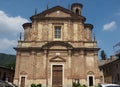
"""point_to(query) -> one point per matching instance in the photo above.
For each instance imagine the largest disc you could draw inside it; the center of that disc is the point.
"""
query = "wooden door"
(90, 80)
(57, 76)
(22, 82)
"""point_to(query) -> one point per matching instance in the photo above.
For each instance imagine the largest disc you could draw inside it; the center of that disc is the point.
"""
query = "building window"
(117, 66)
(4, 76)
(0, 74)
(118, 77)
(57, 32)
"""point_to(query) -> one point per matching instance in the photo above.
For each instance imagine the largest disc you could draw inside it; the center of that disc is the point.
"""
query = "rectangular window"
(57, 32)
(118, 77)
(0, 75)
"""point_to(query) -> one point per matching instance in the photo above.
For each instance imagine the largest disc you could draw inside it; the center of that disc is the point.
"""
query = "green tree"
(103, 55)
(11, 65)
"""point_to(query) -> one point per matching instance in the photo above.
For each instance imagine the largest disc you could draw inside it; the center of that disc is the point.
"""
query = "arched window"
(77, 12)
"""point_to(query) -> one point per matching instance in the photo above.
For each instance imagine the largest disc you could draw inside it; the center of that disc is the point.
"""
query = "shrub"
(84, 85)
(74, 84)
(78, 85)
(33, 85)
(39, 85)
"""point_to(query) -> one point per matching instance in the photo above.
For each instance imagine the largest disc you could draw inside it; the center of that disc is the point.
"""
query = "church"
(58, 50)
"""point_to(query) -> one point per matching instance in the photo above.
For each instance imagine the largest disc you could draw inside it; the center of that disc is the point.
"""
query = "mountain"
(6, 59)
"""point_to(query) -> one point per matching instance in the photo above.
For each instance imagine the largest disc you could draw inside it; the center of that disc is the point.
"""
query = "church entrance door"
(22, 82)
(57, 76)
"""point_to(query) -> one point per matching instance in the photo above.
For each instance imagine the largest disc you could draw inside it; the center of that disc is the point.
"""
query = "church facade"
(57, 50)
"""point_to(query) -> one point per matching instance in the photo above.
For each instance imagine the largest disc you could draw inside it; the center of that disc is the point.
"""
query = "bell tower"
(77, 8)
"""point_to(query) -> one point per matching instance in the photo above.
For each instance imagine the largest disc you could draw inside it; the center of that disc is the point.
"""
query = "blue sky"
(103, 14)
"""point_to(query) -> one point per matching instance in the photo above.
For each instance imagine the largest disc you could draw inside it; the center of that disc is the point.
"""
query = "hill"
(6, 59)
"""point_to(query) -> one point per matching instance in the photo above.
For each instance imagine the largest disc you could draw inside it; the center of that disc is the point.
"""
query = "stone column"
(50, 32)
(75, 26)
(69, 55)
(17, 69)
(65, 32)
(96, 64)
(69, 63)
(40, 26)
(33, 57)
(34, 32)
(46, 65)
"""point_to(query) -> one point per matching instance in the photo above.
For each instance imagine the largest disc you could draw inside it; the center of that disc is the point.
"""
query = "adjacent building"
(111, 67)
(57, 50)
(6, 74)
(111, 71)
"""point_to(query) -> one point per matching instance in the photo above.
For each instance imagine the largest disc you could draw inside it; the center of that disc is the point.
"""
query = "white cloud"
(5, 43)
(10, 25)
(110, 26)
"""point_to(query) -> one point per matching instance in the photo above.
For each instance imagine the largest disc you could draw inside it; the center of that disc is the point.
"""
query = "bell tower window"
(77, 12)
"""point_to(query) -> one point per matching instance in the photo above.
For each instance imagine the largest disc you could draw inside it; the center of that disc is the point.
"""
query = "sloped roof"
(108, 61)
(48, 11)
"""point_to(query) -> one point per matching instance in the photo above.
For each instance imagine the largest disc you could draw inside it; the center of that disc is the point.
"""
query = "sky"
(103, 14)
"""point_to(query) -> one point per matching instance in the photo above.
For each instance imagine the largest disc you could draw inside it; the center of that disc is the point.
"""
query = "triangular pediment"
(57, 59)
(23, 73)
(56, 11)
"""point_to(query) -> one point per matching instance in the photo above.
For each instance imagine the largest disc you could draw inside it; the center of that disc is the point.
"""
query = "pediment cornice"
(57, 59)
